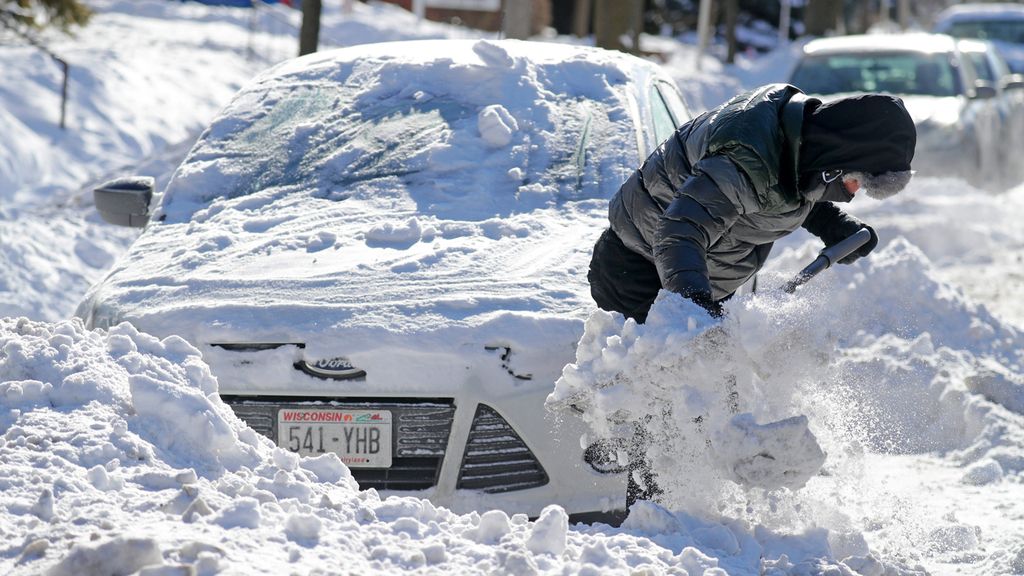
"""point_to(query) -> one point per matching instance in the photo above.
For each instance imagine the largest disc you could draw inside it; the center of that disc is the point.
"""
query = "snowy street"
(888, 394)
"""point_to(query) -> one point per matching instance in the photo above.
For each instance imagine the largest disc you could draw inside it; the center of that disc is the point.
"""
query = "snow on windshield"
(464, 139)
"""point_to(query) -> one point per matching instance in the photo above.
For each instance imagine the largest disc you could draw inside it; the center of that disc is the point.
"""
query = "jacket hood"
(870, 133)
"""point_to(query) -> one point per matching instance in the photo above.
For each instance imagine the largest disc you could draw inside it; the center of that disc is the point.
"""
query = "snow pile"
(119, 457)
(128, 109)
(881, 357)
(116, 81)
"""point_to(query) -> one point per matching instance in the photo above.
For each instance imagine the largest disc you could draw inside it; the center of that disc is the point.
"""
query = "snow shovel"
(786, 453)
(827, 257)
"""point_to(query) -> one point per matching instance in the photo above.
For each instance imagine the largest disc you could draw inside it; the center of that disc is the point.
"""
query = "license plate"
(361, 438)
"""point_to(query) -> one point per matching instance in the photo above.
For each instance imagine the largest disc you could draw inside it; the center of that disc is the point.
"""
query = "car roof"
(914, 42)
(467, 52)
(974, 45)
(993, 11)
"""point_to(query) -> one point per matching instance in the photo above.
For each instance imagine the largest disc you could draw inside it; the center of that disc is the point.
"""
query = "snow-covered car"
(1000, 22)
(382, 253)
(956, 114)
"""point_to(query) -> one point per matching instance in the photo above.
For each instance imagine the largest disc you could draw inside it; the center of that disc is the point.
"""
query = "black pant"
(623, 281)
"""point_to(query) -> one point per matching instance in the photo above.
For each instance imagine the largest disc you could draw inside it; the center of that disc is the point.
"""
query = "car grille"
(496, 458)
(420, 437)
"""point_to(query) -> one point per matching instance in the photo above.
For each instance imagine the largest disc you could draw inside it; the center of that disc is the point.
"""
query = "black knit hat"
(870, 133)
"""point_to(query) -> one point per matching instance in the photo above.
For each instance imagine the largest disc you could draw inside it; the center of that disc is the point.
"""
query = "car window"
(1004, 30)
(982, 67)
(664, 124)
(676, 105)
(893, 72)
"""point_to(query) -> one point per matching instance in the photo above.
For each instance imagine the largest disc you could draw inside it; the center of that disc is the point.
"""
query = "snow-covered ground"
(117, 455)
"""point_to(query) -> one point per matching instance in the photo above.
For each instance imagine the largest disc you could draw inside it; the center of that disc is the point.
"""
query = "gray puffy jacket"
(707, 205)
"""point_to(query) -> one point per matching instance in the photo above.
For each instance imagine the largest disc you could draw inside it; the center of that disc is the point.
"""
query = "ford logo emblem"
(337, 368)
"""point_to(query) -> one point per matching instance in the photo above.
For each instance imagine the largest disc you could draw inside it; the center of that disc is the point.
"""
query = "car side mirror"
(125, 201)
(983, 91)
(1013, 82)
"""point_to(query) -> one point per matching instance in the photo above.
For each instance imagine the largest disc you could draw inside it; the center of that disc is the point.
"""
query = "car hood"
(922, 109)
(941, 110)
(310, 269)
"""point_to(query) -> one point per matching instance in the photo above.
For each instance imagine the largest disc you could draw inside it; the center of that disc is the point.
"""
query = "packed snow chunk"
(865, 565)
(496, 126)
(783, 454)
(242, 513)
(329, 468)
(953, 538)
(302, 528)
(24, 391)
(102, 480)
(493, 54)
(549, 533)
(646, 516)
(184, 420)
(43, 508)
(717, 537)
(390, 234)
(696, 562)
(118, 556)
(494, 524)
(998, 384)
(983, 473)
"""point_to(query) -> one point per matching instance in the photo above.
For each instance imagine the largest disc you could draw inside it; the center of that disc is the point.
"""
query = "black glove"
(863, 250)
(832, 225)
(705, 301)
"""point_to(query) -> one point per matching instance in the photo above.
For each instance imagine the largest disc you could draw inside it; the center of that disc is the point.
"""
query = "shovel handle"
(828, 257)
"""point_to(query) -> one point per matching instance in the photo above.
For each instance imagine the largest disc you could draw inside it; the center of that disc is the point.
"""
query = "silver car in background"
(957, 115)
(1001, 23)
(992, 70)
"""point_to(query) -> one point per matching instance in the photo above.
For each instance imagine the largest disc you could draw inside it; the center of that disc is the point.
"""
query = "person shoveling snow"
(698, 219)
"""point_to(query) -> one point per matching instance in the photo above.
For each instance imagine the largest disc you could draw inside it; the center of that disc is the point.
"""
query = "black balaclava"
(870, 134)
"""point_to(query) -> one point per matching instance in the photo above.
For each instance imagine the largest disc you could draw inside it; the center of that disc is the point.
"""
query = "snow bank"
(881, 356)
(119, 457)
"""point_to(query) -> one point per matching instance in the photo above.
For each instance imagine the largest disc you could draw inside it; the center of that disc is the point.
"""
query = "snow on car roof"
(914, 42)
(461, 52)
(400, 187)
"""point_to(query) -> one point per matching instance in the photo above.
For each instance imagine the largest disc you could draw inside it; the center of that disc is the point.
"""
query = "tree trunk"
(612, 20)
(821, 16)
(732, 10)
(518, 19)
(581, 18)
(309, 35)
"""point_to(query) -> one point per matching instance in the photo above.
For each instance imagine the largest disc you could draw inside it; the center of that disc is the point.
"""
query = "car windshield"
(981, 65)
(337, 141)
(1003, 30)
(893, 72)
